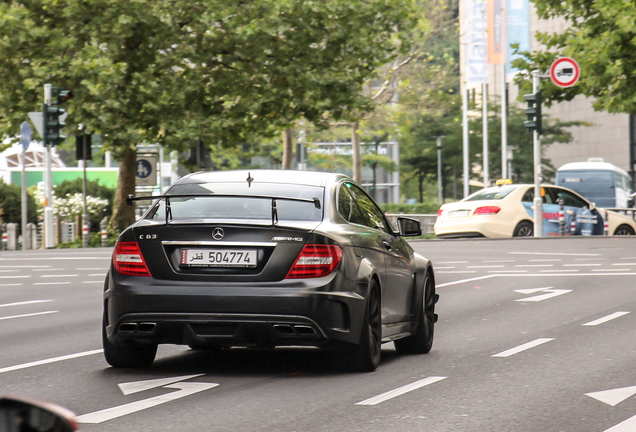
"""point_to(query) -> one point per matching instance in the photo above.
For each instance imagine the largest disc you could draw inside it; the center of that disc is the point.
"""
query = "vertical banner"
(476, 70)
(517, 31)
(495, 31)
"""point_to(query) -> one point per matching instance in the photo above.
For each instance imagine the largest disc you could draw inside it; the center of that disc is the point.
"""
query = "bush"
(11, 204)
(69, 188)
(423, 208)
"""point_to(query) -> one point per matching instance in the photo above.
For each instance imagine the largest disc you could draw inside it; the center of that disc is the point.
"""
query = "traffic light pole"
(49, 233)
(536, 145)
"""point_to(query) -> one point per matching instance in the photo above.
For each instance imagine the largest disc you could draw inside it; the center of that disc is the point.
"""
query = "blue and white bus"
(600, 182)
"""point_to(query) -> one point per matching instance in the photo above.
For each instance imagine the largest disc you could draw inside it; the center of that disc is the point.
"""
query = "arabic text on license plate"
(459, 213)
(219, 257)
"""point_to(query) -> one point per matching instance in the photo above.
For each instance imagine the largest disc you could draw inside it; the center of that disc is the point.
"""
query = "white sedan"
(507, 211)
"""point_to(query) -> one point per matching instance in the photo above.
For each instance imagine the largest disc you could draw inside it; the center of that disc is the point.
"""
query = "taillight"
(487, 210)
(439, 212)
(315, 261)
(128, 259)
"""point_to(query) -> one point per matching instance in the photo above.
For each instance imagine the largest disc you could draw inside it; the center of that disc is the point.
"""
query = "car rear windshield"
(251, 203)
(493, 193)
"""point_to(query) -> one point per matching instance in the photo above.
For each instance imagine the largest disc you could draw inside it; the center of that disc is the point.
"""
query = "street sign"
(25, 135)
(565, 72)
(146, 170)
(36, 119)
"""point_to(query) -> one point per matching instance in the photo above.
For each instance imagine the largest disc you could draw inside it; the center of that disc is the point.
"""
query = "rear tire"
(524, 229)
(132, 355)
(366, 356)
(421, 341)
(624, 230)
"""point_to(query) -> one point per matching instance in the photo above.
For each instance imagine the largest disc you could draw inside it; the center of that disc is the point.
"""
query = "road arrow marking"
(628, 425)
(550, 293)
(400, 391)
(185, 389)
(613, 397)
(532, 290)
(139, 386)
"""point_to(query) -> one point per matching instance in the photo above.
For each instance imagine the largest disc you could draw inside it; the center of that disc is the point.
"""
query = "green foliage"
(420, 208)
(69, 188)
(601, 37)
(11, 204)
(94, 241)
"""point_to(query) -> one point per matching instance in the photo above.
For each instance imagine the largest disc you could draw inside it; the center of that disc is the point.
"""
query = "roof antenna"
(249, 180)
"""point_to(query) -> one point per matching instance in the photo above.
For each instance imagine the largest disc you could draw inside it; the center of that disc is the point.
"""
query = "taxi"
(506, 210)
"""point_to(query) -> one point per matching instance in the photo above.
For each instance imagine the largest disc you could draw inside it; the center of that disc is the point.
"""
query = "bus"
(600, 182)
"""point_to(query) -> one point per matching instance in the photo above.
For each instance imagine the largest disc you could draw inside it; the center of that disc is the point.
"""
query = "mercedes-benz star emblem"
(217, 233)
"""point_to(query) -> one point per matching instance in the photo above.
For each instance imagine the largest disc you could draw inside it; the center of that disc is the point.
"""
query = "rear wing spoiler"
(131, 198)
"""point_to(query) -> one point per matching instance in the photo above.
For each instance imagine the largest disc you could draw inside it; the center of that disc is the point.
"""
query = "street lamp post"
(439, 168)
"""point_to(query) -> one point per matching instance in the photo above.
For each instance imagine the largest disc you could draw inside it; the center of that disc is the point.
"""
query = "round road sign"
(565, 72)
(25, 135)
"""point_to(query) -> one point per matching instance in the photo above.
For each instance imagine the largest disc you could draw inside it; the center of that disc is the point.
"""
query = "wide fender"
(422, 266)
(366, 271)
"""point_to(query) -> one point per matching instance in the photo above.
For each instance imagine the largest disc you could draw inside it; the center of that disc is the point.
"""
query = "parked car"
(267, 258)
(506, 210)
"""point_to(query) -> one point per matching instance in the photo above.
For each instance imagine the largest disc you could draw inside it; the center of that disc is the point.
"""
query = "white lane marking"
(97, 274)
(552, 254)
(523, 347)
(25, 303)
(624, 264)
(58, 275)
(628, 425)
(590, 259)
(557, 271)
(534, 265)
(465, 280)
(91, 268)
(550, 293)
(400, 391)
(445, 268)
(185, 389)
(51, 283)
(485, 266)
(8, 271)
(614, 396)
(50, 360)
(458, 271)
(606, 318)
(27, 315)
(581, 265)
(14, 277)
(46, 269)
(499, 261)
(545, 260)
(28, 266)
(507, 271)
(564, 273)
(95, 282)
(16, 284)
(611, 270)
(139, 386)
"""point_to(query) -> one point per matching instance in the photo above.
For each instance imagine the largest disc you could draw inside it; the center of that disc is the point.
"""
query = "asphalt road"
(533, 335)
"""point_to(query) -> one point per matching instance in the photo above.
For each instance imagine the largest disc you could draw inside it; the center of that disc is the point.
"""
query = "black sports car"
(267, 258)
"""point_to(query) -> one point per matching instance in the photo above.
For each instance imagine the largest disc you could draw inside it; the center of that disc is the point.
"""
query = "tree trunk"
(288, 149)
(357, 158)
(122, 214)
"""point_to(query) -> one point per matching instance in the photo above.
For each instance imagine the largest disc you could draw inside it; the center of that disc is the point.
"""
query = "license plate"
(219, 257)
(458, 213)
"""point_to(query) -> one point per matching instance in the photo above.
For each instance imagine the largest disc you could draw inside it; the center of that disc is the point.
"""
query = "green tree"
(179, 71)
(11, 205)
(601, 36)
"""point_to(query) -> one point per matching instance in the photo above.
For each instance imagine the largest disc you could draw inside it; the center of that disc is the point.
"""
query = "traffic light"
(52, 117)
(533, 111)
(83, 142)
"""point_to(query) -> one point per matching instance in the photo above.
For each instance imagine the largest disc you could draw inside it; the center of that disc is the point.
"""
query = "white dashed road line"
(401, 390)
(606, 319)
(523, 347)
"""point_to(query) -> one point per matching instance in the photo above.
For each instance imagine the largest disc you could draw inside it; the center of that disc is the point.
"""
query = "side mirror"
(409, 227)
(24, 414)
(592, 206)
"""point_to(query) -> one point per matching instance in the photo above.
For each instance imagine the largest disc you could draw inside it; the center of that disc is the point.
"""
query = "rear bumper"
(305, 312)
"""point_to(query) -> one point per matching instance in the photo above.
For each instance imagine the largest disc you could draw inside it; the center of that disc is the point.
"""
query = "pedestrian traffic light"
(533, 111)
(52, 118)
(83, 144)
